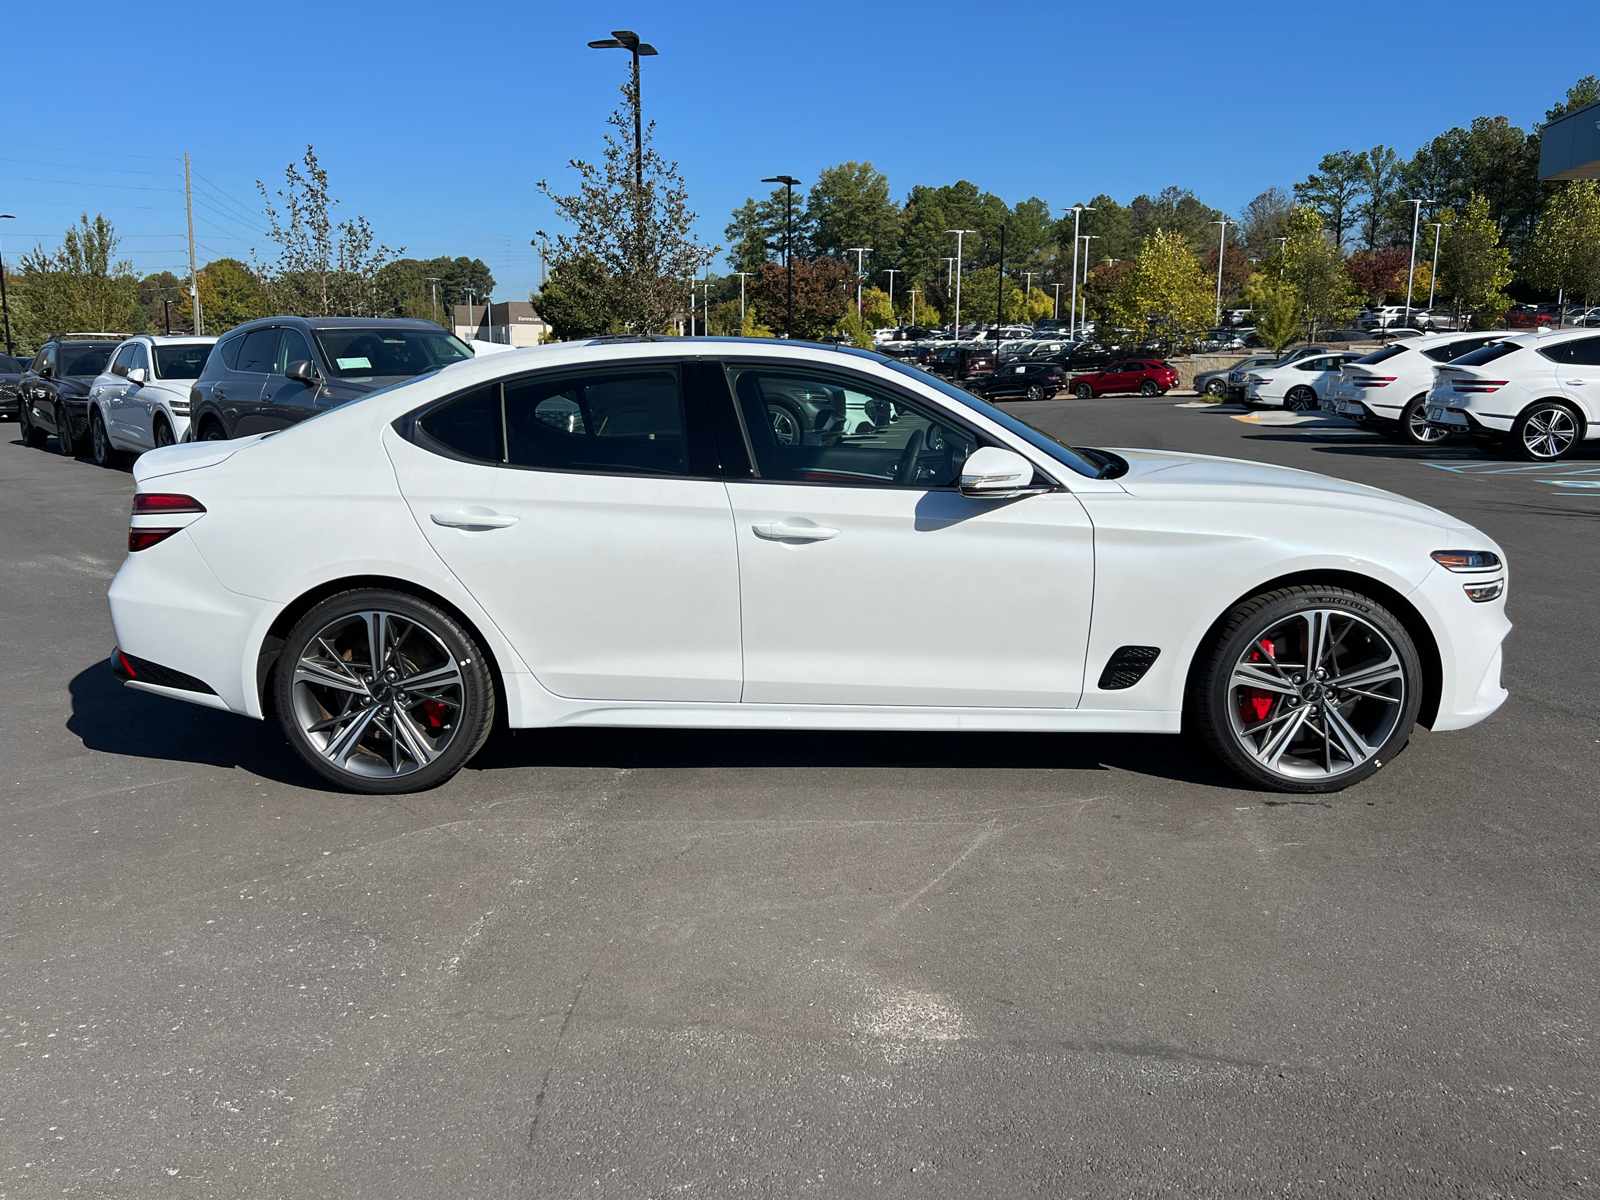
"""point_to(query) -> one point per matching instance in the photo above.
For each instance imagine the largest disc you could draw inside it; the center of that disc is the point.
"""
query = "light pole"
(1028, 294)
(789, 183)
(1416, 217)
(626, 39)
(1222, 247)
(914, 293)
(741, 275)
(1283, 250)
(1086, 239)
(957, 269)
(891, 272)
(1057, 313)
(1077, 211)
(434, 280)
(860, 252)
(1433, 275)
(472, 294)
(5, 307)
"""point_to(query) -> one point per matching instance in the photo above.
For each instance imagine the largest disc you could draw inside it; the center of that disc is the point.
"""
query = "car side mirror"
(994, 473)
(303, 370)
(137, 375)
(45, 371)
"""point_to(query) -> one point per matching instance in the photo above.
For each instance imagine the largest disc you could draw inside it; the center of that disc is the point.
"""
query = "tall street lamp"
(1056, 315)
(1028, 295)
(1416, 217)
(959, 233)
(741, 275)
(4, 306)
(1086, 239)
(950, 274)
(1222, 247)
(1077, 211)
(1433, 276)
(860, 252)
(626, 39)
(915, 292)
(891, 272)
(789, 184)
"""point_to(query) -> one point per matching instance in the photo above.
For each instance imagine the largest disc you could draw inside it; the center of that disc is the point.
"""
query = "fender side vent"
(1127, 666)
(141, 670)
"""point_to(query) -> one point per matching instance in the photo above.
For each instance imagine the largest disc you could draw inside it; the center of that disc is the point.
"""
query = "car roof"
(341, 323)
(177, 339)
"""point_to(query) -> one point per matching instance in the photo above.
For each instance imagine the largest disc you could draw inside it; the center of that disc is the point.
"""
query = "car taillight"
(159, 504)
(1479, 385)
(1372, 380)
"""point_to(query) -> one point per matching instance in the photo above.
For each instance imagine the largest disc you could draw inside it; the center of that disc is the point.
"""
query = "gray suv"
(269, 374)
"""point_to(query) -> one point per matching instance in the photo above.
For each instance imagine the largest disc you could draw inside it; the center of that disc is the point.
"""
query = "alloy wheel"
(1549, 432)
(377, 694)
(1417, 429)
(1316, 695)
(99, 442)
(785, 426)
(163, 433)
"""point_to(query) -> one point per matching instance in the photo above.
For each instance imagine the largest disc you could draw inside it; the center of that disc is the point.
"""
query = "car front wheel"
(382, 693)
(1035, 392)
(100, 447)
(1083, 392)
(1307, 689)
(214, 433)
(1216, 389)
(1549, 430)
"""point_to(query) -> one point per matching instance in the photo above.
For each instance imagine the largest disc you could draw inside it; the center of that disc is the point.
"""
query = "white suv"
(1388, 389)
(1537, 394)
(141, 400)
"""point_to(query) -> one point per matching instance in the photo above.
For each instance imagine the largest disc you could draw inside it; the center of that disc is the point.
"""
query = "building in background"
(513, 323)
(1569, 148)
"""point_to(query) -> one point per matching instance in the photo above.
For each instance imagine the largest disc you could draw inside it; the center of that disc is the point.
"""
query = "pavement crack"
(555, 1052)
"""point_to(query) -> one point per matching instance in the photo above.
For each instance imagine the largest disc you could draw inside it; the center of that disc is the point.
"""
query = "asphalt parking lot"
(614, 963)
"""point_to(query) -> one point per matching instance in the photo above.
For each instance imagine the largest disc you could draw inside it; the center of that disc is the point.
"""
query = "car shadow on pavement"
(1158, 756)
(113, 719)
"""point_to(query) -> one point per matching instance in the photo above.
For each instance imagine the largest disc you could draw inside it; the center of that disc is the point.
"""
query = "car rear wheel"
(1414, 427)
(1301, 399)
(787, 427)
(32, 436)
(382, 693)
(1149, 388)
(1307, 689)
(100, 447)
(1083, 392)
(1551, 429)
(1035, 392)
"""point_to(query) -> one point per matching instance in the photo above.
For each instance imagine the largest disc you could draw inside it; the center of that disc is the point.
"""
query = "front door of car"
(136, 405)
(1117, 377)
(240, 390)
(867, 578)
(111, 391)
(584, 511)
(286, 401)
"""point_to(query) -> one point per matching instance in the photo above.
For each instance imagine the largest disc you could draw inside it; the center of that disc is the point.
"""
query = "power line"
(32, 162)
(127, 187)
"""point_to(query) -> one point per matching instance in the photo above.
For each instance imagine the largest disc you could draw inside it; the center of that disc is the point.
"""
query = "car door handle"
(218, 394)
(472, 520)
(791, 531)
(1575, 382)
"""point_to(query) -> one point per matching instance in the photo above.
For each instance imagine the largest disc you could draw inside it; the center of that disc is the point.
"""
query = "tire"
(1083, 392)
(1035, 392)
(364, 730)
(161, 433)
(64, 442)
(1414, 429)
(101, 450)
(1301, 399)
(788, 427)
(1262, 723)
(32, 436)
(1149, 388)
(1217, 389)
(1547, 431)
(214, 432)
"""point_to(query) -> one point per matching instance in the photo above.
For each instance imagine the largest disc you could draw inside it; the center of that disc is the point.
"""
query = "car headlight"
(1467, 560)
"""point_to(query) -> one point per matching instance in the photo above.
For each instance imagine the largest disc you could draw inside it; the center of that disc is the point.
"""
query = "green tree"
(153, 290)
(1492, 158)
(80, 287)
(1310, 261)
(849, 205)
(979, 298)
(639, 238)
(875, 308)
(574, 299)
(1473, 266)
(755, 235)
(1334, 191)
(1275, 303)
(230, 294)
(1165, 296)
(1382, 173)
(1580, 95)
(1565, 250)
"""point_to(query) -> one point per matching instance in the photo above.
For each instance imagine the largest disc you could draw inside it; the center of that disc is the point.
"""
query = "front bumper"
(1469, 638)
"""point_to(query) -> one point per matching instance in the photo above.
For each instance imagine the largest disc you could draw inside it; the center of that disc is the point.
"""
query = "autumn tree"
(1166, 295)
(824, 289)
(1378, 272)
(635, 239)
(1310, 261)
(1275, 304)
(1259, 220)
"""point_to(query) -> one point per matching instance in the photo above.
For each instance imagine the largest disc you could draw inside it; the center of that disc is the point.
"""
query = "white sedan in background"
(610, 535)
(141, 400)
(1298, 386)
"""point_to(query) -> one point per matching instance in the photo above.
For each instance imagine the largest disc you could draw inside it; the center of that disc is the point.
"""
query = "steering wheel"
(905, 470)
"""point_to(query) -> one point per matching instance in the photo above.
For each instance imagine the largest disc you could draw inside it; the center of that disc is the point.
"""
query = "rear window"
(1452, 350)
(1384, 355)
(1486, 354)
(84, 360)
(181, 362)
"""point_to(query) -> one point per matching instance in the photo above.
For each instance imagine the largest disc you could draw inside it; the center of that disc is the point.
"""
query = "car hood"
(190, 456)
(1176, 476)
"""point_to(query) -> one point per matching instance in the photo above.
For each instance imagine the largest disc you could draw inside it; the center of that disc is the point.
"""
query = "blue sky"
(437, 121)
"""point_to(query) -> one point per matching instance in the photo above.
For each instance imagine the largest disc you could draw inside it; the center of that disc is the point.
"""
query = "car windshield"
(182, 362)
(366, 353)
(84, 360)
(1057, 450)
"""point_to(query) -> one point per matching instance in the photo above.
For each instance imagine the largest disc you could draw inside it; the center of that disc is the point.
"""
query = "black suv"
(272, 373)
(53, 394)
(1022, 381)
(11, 370)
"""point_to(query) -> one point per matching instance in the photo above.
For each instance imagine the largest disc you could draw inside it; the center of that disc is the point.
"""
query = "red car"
(1147, 376)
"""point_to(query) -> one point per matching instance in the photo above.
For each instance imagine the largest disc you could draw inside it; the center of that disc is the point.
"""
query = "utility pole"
(1222, 248)
(891, 272)
(1077, 211)
(472, 294)
(194, 285)
(860, 252)
(434, 280)
(959, 233)
(741, 275)
(5, 306)
(166, 314)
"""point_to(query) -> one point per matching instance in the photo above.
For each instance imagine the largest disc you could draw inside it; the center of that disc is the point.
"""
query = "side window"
(1585, 352)
(140, 358)
(258, 352)
(47, 356)
(123, 362)
(292, 349)
(811, 427)
(228, 351)
(467, 425)
(626, 420)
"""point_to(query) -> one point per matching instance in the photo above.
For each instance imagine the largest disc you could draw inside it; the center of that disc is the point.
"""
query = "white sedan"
(1298, 385)
(610, 535)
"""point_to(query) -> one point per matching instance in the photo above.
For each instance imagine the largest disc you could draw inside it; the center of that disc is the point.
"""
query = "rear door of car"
(239, 393)
(1578, 372)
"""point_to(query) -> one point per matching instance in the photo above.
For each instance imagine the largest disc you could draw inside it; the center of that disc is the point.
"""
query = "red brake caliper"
(435, 711)
(1256, 703)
